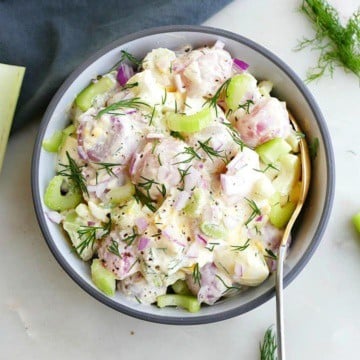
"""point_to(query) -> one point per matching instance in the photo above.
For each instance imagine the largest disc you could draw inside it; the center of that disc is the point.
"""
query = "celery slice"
(85, 98)
(280, 215)
(196, 203)
(190, 303)
(180, 288)
(356, 222)
(122, 193)
(270, 151)
(61, 194)
(213, 230)
(103, 278)
(10, 83)
(190, 123)
(238, 86)
(53, 144)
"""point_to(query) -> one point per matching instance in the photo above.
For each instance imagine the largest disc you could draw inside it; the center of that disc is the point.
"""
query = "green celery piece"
(270, 151)
(190, 123)
(196, 203)
(213, 230)
(121, 194)
(356, 222)
(56, 199)
(280, 215)
(10, 83)
(237, 89)
(181, 288)
(85, 98)
(53, 143)
(103, 278)
(190, 303)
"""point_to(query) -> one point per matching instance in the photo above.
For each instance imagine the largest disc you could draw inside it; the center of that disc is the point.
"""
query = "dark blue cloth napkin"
(51, 37)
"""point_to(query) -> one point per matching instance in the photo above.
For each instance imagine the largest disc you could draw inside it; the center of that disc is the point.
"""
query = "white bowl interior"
(284, 88)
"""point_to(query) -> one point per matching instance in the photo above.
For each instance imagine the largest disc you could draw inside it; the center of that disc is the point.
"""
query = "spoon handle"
(279, 304)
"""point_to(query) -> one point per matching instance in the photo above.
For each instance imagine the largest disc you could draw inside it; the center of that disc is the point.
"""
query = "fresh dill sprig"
(268, 346)
(246, 106)
(196, 275)
(228, 288)
(89, 234)
(129, 239)
(183, 173)
(108, 167)
(210, 151)
(130, 85)
(268, 166)
(114, 248)
(213, 101)
(152, 115)
(339, 45)
(163, 98)
(127, 56)
(270, 254)
(235, 135)
(134, 103)
(255, 211)
(241, 247)
(73, 172)
(313, 148)
(188, 151)
(212, 244)
(144, 199)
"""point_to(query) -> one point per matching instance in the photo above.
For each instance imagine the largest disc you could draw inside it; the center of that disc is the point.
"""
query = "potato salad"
(176, 177)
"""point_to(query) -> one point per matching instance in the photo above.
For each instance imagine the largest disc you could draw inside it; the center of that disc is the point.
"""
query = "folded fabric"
(51, 38)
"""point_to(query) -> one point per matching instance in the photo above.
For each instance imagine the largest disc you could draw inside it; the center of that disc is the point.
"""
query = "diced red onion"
(91, 223)
(98, 189)
(259, 218)
(238, 270)
(219, 44)
(82, 153)
(141, 224)
(125, 72)
(240, 65)
(193, 251)
(134, 162)
(181, 200)
(54, 217)
(143, 243)
(167, 233)
(192, 179)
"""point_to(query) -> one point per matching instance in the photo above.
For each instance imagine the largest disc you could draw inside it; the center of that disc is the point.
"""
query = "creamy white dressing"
(164, 242)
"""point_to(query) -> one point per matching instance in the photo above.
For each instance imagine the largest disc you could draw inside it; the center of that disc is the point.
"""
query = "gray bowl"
(287, 86)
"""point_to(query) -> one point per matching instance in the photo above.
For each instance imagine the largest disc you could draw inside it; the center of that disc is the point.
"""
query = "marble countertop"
(45, 315)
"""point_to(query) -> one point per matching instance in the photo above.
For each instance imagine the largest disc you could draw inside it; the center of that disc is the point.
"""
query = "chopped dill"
(73, 172)
(235, 135)
(183, 173)
(246, 106)
(210, 151)
(176, 135)
(130, 85)
(127, 56)
(241, 247)
(163, 98)
(129, 239)
(228, 288)
(114, 248)
(134, 103)
(196, 275)
(270, 254)
(213, 101)
(192, 155)
(108, 167)
(255, 211)
(268, 166)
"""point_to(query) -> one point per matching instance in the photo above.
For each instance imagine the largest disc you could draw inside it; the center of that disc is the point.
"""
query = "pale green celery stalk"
(10, 83)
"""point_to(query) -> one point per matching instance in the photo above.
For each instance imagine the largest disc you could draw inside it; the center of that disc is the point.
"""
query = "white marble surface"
(45, 315)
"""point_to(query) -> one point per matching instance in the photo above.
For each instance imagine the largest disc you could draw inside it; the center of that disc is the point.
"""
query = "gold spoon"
(305, 181)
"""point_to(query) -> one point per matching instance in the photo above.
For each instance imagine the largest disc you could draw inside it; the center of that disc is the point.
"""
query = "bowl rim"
(181, 320)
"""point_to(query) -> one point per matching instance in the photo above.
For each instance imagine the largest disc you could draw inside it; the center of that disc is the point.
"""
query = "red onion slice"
(141, 224)
(181, 200)
(54, 217)
(143, 243)
(125, 72)
(240, 65)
